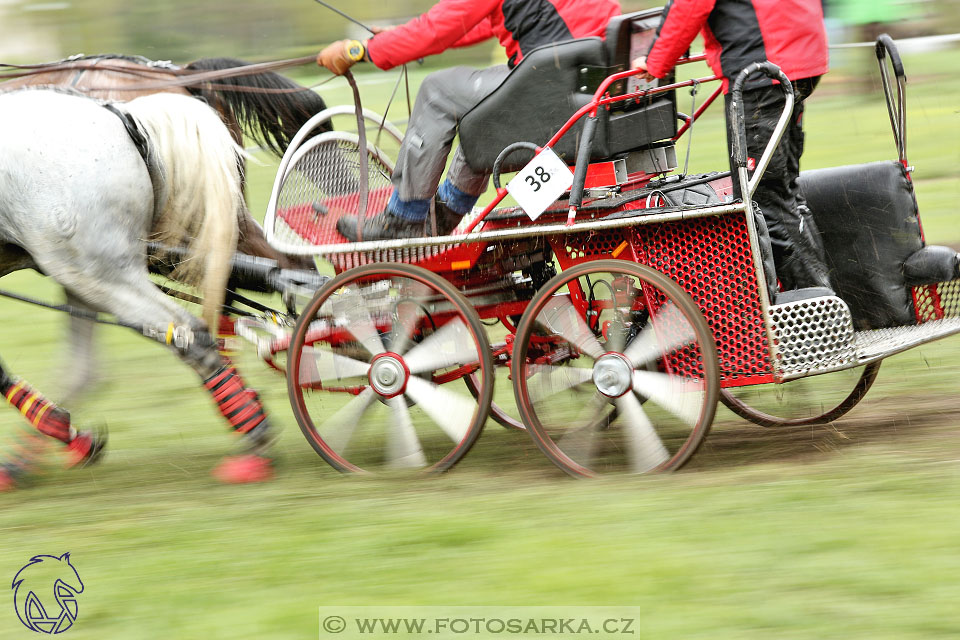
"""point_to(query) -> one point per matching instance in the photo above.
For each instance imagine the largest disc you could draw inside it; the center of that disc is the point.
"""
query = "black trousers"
(797, 248)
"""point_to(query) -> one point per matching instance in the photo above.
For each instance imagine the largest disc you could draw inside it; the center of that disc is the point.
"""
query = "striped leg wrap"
(47, 417)
(239, 405)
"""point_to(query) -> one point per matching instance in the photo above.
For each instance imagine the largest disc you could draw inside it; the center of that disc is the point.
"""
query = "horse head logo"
(45, 594)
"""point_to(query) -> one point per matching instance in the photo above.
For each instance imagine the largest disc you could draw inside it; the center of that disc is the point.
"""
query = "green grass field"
(841, 531)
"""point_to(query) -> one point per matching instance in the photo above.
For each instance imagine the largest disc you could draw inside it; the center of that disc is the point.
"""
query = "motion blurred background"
(182, 30)
(840, 531)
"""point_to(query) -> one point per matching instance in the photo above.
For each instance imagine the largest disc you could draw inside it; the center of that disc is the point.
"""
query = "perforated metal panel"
(711, 259)
(813, 334)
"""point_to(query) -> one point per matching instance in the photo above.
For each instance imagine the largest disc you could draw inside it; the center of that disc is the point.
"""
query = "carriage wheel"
(497, 413)
(807, 401)
(373, 369)
(615, 370)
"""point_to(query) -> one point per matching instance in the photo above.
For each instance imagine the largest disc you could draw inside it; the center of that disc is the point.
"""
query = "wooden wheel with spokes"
(374, 366)
(615, 370)
(807, 401)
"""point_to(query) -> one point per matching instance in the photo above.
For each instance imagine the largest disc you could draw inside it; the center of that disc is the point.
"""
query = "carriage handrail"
(749, 185)
(601, 100)
(897, 109)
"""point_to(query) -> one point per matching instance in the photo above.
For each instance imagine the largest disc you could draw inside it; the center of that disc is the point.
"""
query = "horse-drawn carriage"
(624, 308)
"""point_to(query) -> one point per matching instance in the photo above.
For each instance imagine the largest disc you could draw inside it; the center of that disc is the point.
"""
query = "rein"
(182, 77)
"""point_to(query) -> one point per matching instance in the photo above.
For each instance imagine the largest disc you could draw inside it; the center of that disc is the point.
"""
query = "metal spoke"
(450, 411)
(403, 446)
(644, 447)
(320, 365)
(409, 316)
(555, 378)
(350, 305)
(561, 317)
(409, 310)
(616, 332)
(450, 345)
(616, 337)
(339, 428)
(680, 396)
(580, 442)
(652, 343)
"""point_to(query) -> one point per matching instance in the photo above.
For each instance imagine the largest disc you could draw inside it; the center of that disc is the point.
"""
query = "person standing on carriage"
(737, 33)
(446, 96)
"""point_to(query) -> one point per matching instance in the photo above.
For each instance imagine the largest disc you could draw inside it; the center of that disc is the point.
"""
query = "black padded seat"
(868, 218)
(550, 84)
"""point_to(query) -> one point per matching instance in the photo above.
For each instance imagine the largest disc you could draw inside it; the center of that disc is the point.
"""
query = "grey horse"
(83, 187)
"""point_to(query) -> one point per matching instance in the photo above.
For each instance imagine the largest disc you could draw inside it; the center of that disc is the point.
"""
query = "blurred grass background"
(839, 531)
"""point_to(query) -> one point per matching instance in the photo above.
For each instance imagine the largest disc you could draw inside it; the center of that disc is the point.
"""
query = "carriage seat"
(552, 82)
(868, 218)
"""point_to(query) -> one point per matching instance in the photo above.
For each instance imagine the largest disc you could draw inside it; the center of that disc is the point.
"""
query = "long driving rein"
(182, 77)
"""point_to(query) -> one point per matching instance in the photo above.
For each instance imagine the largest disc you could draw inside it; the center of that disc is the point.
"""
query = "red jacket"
(736, 33)
(519, 25)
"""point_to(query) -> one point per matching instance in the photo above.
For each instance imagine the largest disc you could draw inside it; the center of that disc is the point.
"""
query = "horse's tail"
(269, 107)
(199, 195)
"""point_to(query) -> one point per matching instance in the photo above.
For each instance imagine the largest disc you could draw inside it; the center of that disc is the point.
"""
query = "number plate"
(540, 183)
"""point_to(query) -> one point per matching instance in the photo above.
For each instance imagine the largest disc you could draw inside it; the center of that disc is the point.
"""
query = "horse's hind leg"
(80, 371)
(49, 419)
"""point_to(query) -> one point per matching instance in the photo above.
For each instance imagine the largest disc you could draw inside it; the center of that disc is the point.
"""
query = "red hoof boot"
(87, 448)
(244, 469)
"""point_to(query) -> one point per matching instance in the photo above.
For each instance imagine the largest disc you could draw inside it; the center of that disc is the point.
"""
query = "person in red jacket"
(737, 33)
(446, 96)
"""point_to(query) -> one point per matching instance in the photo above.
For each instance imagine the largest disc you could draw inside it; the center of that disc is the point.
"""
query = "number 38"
(543, 176)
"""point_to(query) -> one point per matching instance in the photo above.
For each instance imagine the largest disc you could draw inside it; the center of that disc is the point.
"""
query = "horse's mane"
(270, 107)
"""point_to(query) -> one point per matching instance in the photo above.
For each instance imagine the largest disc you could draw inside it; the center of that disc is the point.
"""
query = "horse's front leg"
(239, 405)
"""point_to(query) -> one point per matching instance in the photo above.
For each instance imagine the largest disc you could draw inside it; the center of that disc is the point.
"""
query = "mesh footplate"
(320, 185)
(877, 343)
(813, 334)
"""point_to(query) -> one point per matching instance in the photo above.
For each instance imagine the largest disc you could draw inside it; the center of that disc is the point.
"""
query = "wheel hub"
(388, 375)
(612, 375)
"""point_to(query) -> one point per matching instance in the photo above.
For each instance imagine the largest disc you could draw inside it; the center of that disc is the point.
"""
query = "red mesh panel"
(926, 303)
(575, 248)
(710, 259)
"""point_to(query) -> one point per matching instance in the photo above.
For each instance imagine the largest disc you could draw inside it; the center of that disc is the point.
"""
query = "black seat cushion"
(867, 216)
(538, 97)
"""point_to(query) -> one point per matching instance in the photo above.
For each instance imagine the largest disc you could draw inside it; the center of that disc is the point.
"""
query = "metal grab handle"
(739, 129)
(897, 108)
(516, 146)
(885, 46)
